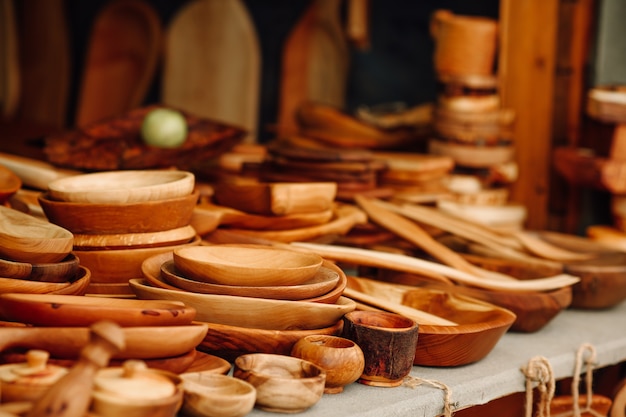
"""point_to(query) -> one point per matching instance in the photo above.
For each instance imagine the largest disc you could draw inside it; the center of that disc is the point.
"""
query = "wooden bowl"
(170, 237)
(216, 395)
(322, 283)
(144, 342)
(14, 285)
(70, 310)
(120, 265)
(283, 383)
(10, 183)
(258, 313)
(62, 271)
(104, 218)
(278, 198)
(246, 265)
(135, 390)
(118, 187)
(229, 342)
(480, 324)
(25, 238)
(340, 358)
(79, 285)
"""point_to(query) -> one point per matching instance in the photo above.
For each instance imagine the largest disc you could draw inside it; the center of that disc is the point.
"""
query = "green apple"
(164, 128)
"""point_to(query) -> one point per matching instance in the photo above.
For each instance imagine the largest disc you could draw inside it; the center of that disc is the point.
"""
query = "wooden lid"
(134, 381)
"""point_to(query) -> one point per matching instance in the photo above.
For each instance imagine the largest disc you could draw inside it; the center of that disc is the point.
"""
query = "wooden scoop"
(71, 395)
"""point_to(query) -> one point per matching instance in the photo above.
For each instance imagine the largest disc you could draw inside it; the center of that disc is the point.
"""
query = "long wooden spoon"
(411, 264)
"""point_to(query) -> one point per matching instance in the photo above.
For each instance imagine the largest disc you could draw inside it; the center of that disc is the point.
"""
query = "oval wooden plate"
(176, 236)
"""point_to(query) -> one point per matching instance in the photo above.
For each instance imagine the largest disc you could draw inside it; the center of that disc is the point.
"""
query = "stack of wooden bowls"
(36, 257)
(120, 218)
(257, 298)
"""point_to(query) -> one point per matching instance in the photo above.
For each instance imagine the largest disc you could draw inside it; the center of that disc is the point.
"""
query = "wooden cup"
(388, 342)
(464, 45)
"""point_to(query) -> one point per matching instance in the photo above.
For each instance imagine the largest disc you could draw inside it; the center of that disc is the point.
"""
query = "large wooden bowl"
(246, 265)
(258, 313)
(105, 218)
(118, 187)
(25, 238)
(228, 342)
(480, 324)
(119, 265)
(322, 283)
(70, 310)
(145, 342)
(177, 236)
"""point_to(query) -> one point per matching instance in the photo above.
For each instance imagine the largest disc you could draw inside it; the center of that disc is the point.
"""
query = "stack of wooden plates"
(36, 257)
(120, 218)
(261, 299)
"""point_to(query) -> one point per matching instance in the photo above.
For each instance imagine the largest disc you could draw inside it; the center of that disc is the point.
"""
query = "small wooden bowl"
(216, 395)
(229, 342)
(178, 236)
(69, 310)
(340, 358)
(79, 285)
(10, 183)
(104, 218)
(322, 283)
(284, 384)
(25, 238)
(119, 187)
(279, 198)
(135, 390)
(144, 342)
(119, 265)
(246, 265)
(62, 271)
(258, 313)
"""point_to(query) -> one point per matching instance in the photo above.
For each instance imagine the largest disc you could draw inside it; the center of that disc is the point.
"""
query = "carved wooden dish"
(62, 271)
(246, 265)
(115, 187)
(79, 285)
(258, 313)
(216, 395)
(25, 238)
(177, 236)
(480, 325)
(9, 183)
(145, 342)
(111, 218)
(69, 310)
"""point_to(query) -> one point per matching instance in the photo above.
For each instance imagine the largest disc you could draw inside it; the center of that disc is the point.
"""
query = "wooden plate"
(145, 342)
(9, 183)
(125, 186)
(69, 311)
(325, 280)
(259, 313)
(480, 324)
(177, 236)
(472, 156)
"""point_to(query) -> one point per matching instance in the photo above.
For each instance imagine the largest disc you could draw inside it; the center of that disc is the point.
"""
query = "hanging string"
(413, 381)
(590, 362)
(540, 371)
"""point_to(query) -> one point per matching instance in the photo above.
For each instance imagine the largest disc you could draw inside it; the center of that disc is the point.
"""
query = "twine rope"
(413, 382)
(590, 362)
(540, 371)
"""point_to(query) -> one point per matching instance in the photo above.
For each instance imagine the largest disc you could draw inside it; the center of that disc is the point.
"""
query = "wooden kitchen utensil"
(212, 63)
(124, 48)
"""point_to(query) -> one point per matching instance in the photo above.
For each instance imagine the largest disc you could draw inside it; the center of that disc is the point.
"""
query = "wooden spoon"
(410, 264)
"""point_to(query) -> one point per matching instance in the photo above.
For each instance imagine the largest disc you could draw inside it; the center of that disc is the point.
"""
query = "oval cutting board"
(212, 63)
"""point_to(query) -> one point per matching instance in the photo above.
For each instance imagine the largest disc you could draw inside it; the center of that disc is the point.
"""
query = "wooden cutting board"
(123, 51)
(212, 63)
(314, 64)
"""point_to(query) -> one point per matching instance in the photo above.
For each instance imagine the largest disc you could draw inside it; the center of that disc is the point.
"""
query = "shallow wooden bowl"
(216, 395)
(70, 310)
(144, 342)
(278, 198)
(321, 284)
(258, 313)
(104, 218)
(246, 265)
(62, 271)
(79, 285)
(118, 187)
(10, 183)
(283, 383)
(229, 342)
(16, 285)
(170, 237)
(25, 238)
(480, 324)
(120, 265)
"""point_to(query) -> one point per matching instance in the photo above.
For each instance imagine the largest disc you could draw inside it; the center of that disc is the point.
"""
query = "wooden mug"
(388, 341)
(464, 45)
